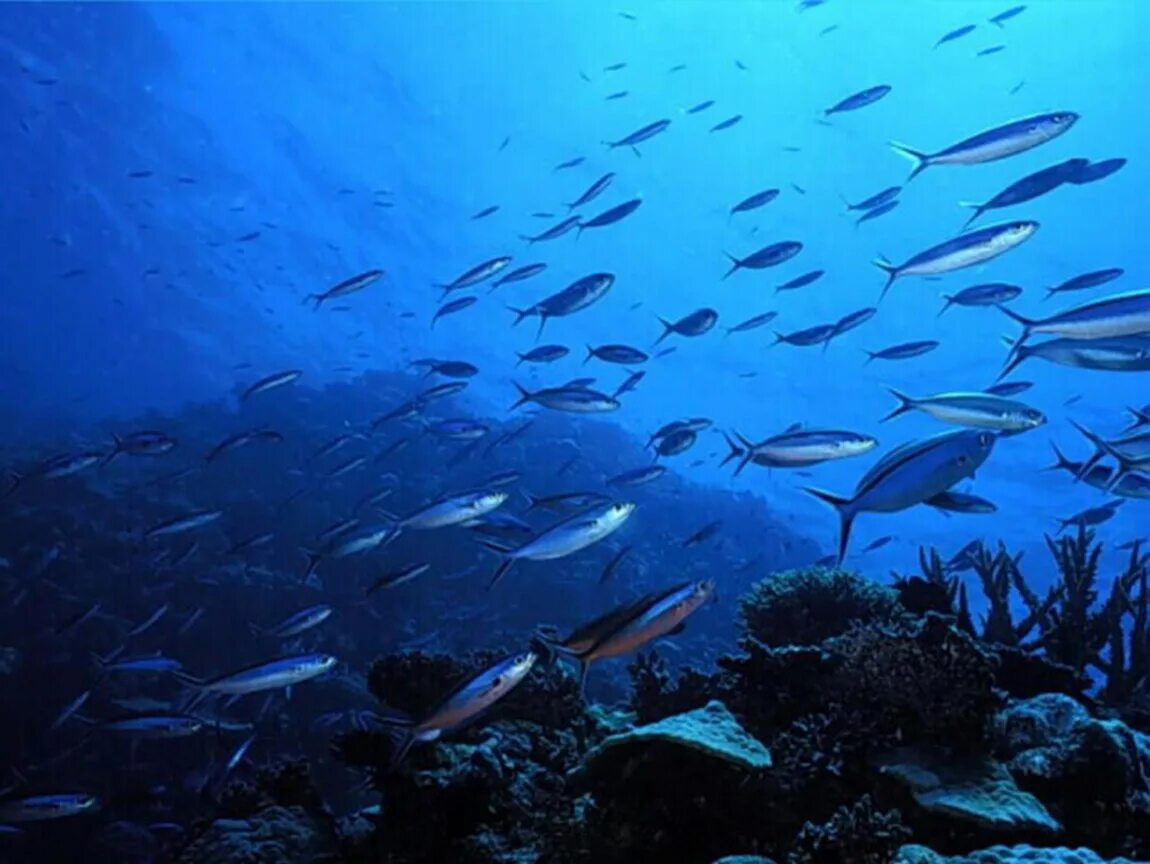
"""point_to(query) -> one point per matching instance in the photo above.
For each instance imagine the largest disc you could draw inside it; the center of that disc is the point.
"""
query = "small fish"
(1028, 188)
(989, 294)
(903, 351)
(397, 577)
(249, 237)
(1002, 17)
(753, 323)
(544, 354)
(753, 202)
(853, 320)
(149, 622)
(630, 384)
(877, 544)
(614, 67)
(570, 163)
(271, 675)
(859, 100)
(611, 216)
(41, 808)
(820, 334)
(577, 400)
(877, 200)
(182, 524)
(801, 281)
(147, 443)
(973, 410)
(297, 623)
(1086, 280)
(697, 323)
(69, 712)
(638, 476)
(640, 135)
(994, 49)
(519, 274)
(579, 295)
(485, 212)
(154, 663)
(555, 231)
(1091, 516)
(453, 306)
(619, 94)
(454, 510)
(271, 382)
(960, 502)
(702, 106)
(678, 67)
(830, 29)
(703, 534)
(726, 124)
(154, 726)
(140, 175)
(876, 212)
(241, 439)
(955, 34)
(593, 191)
(966, 250)
(452, 369)
(1009, 388)
(613, 565)
(621, 354)
(768, 256)
(479, 273)
(1015, 137)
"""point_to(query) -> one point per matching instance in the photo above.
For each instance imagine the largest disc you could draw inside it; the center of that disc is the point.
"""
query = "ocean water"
(179, 177)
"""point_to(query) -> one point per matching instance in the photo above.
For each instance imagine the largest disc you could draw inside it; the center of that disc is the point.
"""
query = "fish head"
(323, 663)
(1056, 123)
(489, 501)
(516, 671)
(703, 589)
(856, 445)
(619, 512)
(1015, 232)
(1030, 418)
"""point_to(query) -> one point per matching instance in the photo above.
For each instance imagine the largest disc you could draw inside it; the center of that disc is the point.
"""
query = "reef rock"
(971, 789)
(711, 730)
(1008, 855)
(276, 835)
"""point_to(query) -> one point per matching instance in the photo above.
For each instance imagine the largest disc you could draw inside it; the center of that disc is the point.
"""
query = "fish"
(993, 49)
(182, 524)
(570, 163)
(1012, 138)
(754, 202)
(466, 702)
(577, 400)
(270, 675)
(147, 443)
(726, 124)
(703, 534)
(347, 286)
(973, 410)
(1091, 516)
(1028, 188)
(800, 448)
(877, 200)
(1131, 486)
(903, 351)
(1095, 171)
(960, 502)
(68, 713)
(544, 354)
(394, 578)
(479, 273)
(271, 382)
(955, 34)
(877, 544)
(519, 274)
(861, 99)
(485, 212)
(454, 510)
(1131, 452)
(1009, 388)
(820, 334)
(702, 106)
(697, 323)
(753, 323)
(674, 443)
(154, 727)
(853, 320)
(1119, 354)
(1118, 315)
(577, 532)
(41, 808)
(149, 622)
(630, 384)
(633, 625)
(613, 565)
(768, 256)
(610, 217)
(620, 354)
(614, 67)
(241, 439)
(567, 501)
(576, 297)
(875, 213)
(910, 475)
(65, 465)
(639, 136)
(801, 281)
(1002, 17)
(448, 369)
(453, 306)
(638, 476)
(989, 294)
(564, 227)
(593, 191)
(965, 250)
(1086, 280)
(297, 623)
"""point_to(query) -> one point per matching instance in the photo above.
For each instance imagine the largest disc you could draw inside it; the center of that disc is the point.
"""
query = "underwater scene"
(575, 432)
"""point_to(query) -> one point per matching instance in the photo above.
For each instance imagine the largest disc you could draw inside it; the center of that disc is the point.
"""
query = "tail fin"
(14, 481)
(949, 298)
(735, 264)
(979, 209)
(1101, 450)
(905, 403)
(524, 395)
(668, 329)
(1050, 292)
(1061, 462)
(846, 516)
(1018, 351)
(891, 274)
(1141, 418)
(870, 355)
(748, 453)
(313, 559)
(590, 354)
(500, 571)
(318, 298)
(921, 160)
(520, 314)
(735, 450)
(117, 449)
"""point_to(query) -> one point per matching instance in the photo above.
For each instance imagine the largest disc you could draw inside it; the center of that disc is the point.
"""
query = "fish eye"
(496, 683)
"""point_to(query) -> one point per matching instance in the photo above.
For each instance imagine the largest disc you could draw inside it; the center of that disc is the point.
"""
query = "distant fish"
(621, 354)
(801, 281)
(966, 250)
(570, 163)
(820, 334)
(753, 202)
(614, 67)
(854, 319)
(696, 323)
(638, 476)
(877, 544)
(398, 577)
(579, 295)
(859, 100)
(271, 382)
(348, 286)
(241, 439)
(1085, 281)
(876, 200)
(479, 273)
(674, 443)
(726, 124)
(485, 212)
(544, 354)
(576, 400)
(611, 216)
(613, 565)
(1029, 187)
(1002, 17)
(753, 323)
(994, 49)
(593, 191)
(630, 384)
(640, 135)
(249, 237)
(1009, 388)
(453, 306)
(451, 369)
(702, 106)
(990, 294)
(768, 256)
(272, 675)
(147, 443)
(903, 351)
(555, 231)
(619, 94)
(876, 212)
(829, 29)
(298, 623)
(454, 510)
(955, 34)
(1018, 136)
(703, 534)
(678, 67)
(183, 524)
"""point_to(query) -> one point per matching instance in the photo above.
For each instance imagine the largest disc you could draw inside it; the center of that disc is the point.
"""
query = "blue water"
(129, 300)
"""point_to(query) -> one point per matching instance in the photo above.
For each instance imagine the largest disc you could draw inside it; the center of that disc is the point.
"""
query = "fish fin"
(679, 628)
(1018, 351)
(735, 264)
(668, 329)
(921, 160)
(735, 450)
(318, 298)
(905, 403)
(542, 322)
(524, 395)
(891, 274)
(1061, 461)
(500, 571)
(590, 354)
(495, 545)
(949, 302)
(1027, 323)
(779, 337)
(520, 314)
(843, 506)
(1101, 450)
(979, 209)
(870, 355)
(1141, 418)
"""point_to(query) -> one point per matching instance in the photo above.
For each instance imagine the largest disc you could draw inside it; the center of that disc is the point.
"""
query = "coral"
(744, 859)
(283, 784)
(277, 835)
(857, 834)
(935, 591)
(806, 607)
(1007, 855)
(979, 791)
(656, 694)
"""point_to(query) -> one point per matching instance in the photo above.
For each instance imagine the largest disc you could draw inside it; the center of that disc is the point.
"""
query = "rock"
(1008, 855)
(976, 790)
(276, 835)
(711, 730)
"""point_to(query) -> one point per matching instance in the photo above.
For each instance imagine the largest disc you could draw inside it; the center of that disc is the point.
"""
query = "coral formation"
(857, 834)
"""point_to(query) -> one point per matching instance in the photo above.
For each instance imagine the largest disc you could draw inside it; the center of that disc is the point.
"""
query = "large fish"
(800, 448)
(574, 298)
(272, 675)
(1018, 136)
(973, 410)
(576, 400)
(465, 703)
(454, 510)
(910, 475)
(1120, 354)
(965, 250)
(1110, 317)
(630, 627)
(564, 538)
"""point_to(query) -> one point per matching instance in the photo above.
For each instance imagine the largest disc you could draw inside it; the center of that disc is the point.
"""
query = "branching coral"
(857, 834)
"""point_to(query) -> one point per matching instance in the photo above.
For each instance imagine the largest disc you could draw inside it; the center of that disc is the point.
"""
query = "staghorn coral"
(806, 607)
(856, 834)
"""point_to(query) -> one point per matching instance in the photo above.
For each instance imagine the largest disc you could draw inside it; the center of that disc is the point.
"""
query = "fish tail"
(542, 321)
(520, 314)
(313, 559)
(117, 449)
(905, 403)
(891, 274)
(847, 514)
(735, 264)
(14, 481)
(501, 571)
(189, 680)
(590, 354)
(921, 160)
(735, 450)
(949, 302)
(979, 209)
(668, 329)
(318, 298)
(870, 355)
(1061, 462)
(1141, 418)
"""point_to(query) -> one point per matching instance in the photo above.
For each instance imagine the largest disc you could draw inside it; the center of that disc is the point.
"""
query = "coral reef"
(1007, 855)
(276, 835)
(857, 834)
